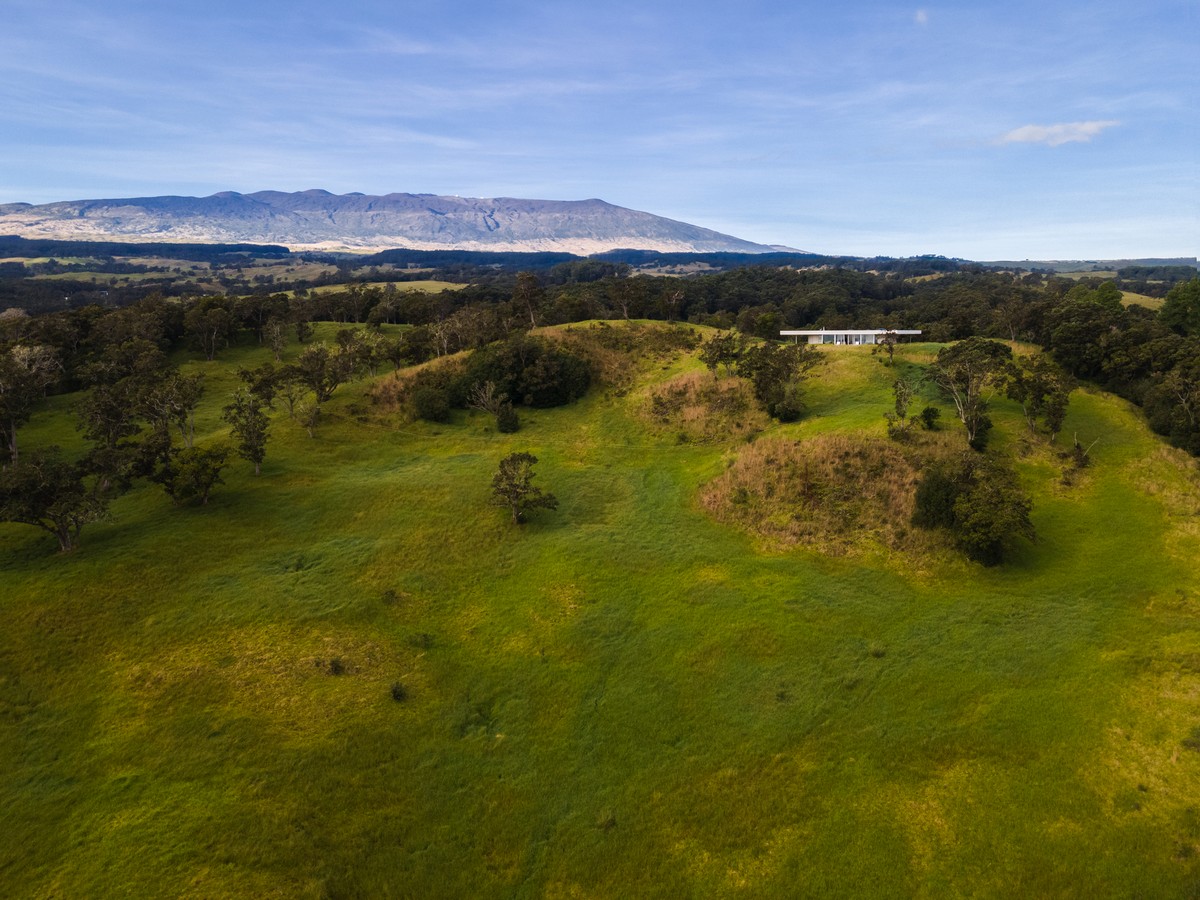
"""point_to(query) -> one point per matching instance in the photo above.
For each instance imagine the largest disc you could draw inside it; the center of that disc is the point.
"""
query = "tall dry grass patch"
(392, 392)
(838, 493)
(699, 407)
(617, 352)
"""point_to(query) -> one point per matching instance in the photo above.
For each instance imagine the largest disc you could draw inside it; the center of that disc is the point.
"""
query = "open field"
(622, 698)
(430, 286)
(1129, 298)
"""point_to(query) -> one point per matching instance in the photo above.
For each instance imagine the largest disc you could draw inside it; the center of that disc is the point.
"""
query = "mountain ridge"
(319, 219)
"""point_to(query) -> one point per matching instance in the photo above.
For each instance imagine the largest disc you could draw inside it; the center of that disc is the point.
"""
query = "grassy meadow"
(622, 698)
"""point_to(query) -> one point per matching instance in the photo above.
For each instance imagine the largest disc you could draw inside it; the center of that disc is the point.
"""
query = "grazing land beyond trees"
(782, 631)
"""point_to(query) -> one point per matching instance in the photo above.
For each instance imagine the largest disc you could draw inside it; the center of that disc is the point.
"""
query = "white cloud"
(1054, 135)
(921, 17)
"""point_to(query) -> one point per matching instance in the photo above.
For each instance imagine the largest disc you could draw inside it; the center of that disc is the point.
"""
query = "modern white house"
(845, 336)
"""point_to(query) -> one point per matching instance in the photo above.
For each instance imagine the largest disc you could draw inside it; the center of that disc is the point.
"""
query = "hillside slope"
(621, 698)
(317, 218)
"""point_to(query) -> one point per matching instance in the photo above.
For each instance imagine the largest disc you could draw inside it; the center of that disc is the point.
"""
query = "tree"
(1042, 389)
(964, 370)
(48, 493)
(903, 391)
(107, 416)
(26, 372)
(1181, 309)
(276, 334)
(485, 398)
(211, 323)
(1081, 332)
(990, 513)
(778, 373)
(512, 487)
(173, 403)
(191, 473)
(722, 349)
(528, 293)
(263, 383)
(250, 425)
(888, 341)
(980, 501)
(322, 370)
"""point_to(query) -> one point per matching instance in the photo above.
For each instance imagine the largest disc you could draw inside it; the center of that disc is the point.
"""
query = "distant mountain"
(319, 219)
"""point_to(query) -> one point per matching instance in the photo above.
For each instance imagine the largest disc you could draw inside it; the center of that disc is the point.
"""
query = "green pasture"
(621, 698)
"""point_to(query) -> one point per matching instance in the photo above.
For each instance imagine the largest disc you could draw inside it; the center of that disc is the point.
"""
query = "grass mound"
(701, 408)
(833, 492)
(616, 354)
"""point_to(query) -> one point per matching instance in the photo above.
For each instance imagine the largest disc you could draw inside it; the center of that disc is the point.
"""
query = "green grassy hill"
(622, 698)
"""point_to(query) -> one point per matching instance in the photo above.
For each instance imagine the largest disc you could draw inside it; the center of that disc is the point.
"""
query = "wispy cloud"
(921, 17)
(1055, 135)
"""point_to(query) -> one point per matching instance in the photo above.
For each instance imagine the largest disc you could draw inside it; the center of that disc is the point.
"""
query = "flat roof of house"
(851, 331)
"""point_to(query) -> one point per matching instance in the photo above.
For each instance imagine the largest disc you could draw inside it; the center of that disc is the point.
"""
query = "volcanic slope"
(319, 219)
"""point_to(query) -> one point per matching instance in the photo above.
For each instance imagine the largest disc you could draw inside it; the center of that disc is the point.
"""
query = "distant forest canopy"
(40, 276)
(13, 246)
(1151, 357)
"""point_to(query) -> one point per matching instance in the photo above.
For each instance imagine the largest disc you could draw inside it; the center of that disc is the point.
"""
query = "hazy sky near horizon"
(995, 129)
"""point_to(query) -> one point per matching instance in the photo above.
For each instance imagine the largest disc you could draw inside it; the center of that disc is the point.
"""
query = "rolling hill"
(353, 677)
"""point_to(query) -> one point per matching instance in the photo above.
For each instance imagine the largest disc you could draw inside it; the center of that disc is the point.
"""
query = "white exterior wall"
(834, 338)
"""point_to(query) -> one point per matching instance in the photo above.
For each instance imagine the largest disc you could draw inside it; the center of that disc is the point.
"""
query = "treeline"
(32, 248)
(1146, 356)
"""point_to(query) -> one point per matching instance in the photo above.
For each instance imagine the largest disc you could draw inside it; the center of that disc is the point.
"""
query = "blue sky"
(986, 130)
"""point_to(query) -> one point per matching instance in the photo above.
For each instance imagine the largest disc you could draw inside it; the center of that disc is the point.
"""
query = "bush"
(531, 370)
(929, 418)
(980, 502)
(788, 408)
(507, 420)
(983, 428)
(934, 503)
(431, 404)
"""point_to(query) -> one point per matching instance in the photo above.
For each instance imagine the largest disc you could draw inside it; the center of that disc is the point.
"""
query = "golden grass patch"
(834, 492)
(699, 407)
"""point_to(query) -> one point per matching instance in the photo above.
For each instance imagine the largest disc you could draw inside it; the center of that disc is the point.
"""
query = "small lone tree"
(250, 425)
(888, 341)
(898, 422)
(512, 487)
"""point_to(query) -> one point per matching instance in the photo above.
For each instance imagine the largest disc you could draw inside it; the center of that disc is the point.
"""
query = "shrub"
(929, 418)
(431, 404)
(530, 370)
(980, 502)
(399, 692)
(933, 506)
(507, 420)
